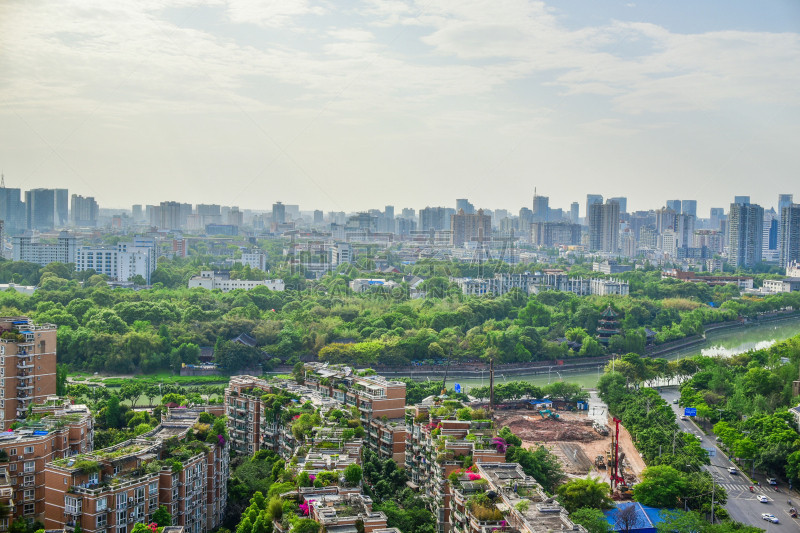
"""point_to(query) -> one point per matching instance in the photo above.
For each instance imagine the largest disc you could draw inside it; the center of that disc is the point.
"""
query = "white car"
(733, 470)
(675, 400)
(770, 518)
(763, 499)
(683, 417)
(772, 481)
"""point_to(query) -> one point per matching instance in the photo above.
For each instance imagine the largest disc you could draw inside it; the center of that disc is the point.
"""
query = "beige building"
(63, 431)
(113, 489)
(27, 366)
(466, 228)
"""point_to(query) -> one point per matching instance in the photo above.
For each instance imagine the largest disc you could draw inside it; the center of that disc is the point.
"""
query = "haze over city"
(356, 106)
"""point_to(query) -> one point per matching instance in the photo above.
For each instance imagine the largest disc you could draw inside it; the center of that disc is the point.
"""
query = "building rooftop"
(544, 514)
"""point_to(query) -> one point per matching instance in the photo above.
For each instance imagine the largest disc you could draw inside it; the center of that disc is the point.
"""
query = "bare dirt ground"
(573, 440)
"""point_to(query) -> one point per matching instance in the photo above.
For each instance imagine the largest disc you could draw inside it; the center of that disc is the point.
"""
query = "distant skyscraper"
(463, 203)
(745, 234)
(84, 211)
(541, 208)
(388, 211)
(575, 213)
(790, 234)
(741, 199)
(12, 208)
(717, 214)
(409, 213)
(318, 218)
(62, 207)
(466, 228)
(591, 199)
(623, 203)
(170, 215)
(675, 205)
(689, 207)
(783, 201)
(665, 219)
(279, 213)
(208, 209)
(684, 230)
(604, 227)
(770, 236)
(432, 218)
(136, 213)
(40, 209)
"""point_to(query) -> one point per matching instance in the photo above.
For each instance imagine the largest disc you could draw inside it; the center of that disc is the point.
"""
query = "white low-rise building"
(363, 285)
(255, 259)
(121, 262)
(221, 279)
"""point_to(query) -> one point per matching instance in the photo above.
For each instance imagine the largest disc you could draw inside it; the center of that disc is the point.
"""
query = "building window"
(29, 480)
(102, 520)
(102, 505)
(28, 496)
(121, 518)
(28, 508)
(28, 449)
(12, 452)
(153, 489)
(94, 478)
(122, 501)
(30, 466)
(72, 505)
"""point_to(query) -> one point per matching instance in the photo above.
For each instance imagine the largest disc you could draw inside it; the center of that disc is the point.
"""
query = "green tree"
(353, 474)
(162, 517)
(585, 493)
(113, 414)
(592, 519)
(661, 486)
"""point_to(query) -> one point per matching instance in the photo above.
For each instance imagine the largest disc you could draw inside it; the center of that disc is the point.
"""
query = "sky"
(346, 106)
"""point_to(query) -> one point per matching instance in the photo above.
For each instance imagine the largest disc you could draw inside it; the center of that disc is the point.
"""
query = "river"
(726, 343)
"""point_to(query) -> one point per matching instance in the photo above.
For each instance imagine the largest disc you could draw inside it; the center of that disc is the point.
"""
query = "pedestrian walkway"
(742, 487)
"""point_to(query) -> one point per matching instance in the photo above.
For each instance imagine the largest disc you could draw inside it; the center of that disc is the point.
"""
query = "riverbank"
(537, 368)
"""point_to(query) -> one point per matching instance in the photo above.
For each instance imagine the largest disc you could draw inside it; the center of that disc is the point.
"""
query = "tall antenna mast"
(2, 181)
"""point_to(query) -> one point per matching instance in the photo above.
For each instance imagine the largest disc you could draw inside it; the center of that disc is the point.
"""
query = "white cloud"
(454, 68)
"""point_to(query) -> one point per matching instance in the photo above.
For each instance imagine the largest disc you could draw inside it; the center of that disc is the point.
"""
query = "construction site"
(585, 443)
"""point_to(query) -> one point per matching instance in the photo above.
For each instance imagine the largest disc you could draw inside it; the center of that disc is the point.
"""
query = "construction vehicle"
(547, 413)
(602, 429)
(599, 462)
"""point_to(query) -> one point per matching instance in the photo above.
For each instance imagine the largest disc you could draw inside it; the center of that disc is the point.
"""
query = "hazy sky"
(358, 104)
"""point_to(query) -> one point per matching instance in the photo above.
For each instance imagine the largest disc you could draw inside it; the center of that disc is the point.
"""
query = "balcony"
(22, 365)
(23, 386)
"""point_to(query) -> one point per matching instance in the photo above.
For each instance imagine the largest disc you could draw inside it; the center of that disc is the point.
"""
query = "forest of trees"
(123, 330)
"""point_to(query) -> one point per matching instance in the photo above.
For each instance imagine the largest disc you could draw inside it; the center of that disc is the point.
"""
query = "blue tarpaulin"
(40, 432)
(646, 518)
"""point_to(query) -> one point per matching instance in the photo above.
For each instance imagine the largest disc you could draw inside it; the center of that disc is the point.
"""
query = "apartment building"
(436, 446)
(28, 248)
(340, 513)
(374, 396)
(381, 404)
(27, 366)
(252, 429)
(63, 431)
(114, 488)
(541, 513)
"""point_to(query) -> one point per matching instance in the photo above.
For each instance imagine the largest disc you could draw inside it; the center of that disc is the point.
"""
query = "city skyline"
(302, 103)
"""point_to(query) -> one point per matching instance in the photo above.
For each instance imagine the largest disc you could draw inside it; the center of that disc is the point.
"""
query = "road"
(743, 505)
